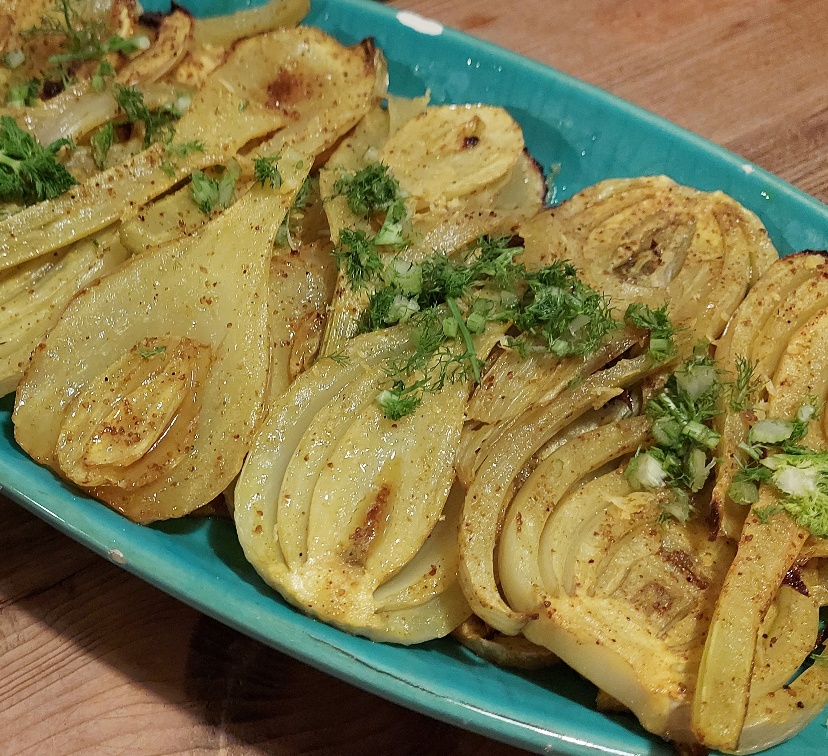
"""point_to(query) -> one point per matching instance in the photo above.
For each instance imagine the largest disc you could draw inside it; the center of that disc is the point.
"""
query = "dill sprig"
(158, 123)
(81, 38)
(746, 385)
(208, 192)
(101, 142)
(29, 171)
(662, 343)
(266, 171)
(369, 190)
(373, 190)
(357, 255)
(447, 299)
(566, 315)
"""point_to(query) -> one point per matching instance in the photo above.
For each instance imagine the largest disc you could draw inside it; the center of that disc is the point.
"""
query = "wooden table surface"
(92, 660)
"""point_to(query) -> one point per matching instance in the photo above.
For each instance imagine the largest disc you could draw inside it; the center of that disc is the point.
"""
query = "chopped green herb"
(148, 352)
(105, 70)
(81, 38)
(357, 255)
(662, 344)
(340, 358)
(369, 190)
(798, 473)
(158, 123)
(681, 460)
(14, 59)
(568, 316)
(763, 514)
(30, 172)
(372, 190)
(745, 387)
(396, 403)
(284, 236)
(184, 149)
(22, 95)
(266, 171)
(209, 193)
(101, 142)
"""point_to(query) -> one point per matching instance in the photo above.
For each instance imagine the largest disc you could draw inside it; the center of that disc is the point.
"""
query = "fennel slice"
(213, 290)
(351, 498)
(49, 283)
(491, 489)
(767, 550)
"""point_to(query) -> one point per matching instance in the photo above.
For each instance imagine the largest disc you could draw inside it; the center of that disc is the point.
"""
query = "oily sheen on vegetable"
(237, 274)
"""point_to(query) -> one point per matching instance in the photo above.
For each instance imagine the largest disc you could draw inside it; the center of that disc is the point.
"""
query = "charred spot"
(50, 89)
(654, 597)
(287, 89)
(793, 579)
(152, 19)
(683, 562)
(364, 535)
(714, 519)
(470, 141)
(369, 52)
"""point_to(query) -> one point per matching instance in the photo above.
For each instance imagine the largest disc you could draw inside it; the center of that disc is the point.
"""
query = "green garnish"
(357, 255)
(209, 193)
(568, 316)
(373, 190)
(22, 95)
(14, 59)
(450, 298)
(369, 190)
(745, 386)
(81, 38)
(300, 202)
(799, 474)
(680, 462)
(662, 343)
(266, 171)
(158, 123)
(148, 352)
(396, 403)
(101, 142)
(105, 69)
(30, 172)
(184, 149)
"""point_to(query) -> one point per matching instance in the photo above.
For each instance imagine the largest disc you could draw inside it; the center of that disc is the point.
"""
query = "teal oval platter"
(580, 135)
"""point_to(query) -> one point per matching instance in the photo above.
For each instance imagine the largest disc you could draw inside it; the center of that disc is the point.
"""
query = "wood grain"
(93, 661)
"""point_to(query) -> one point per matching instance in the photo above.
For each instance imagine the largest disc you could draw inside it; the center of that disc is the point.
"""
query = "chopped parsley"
(29, 171)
